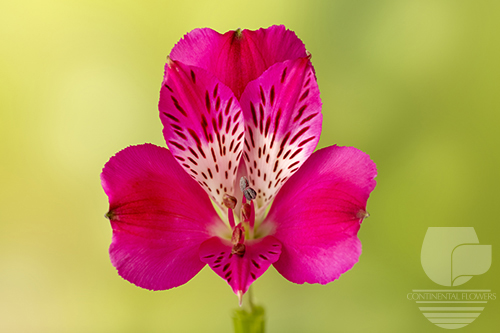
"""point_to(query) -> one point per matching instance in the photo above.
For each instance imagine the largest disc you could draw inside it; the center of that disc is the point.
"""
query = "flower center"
(238, 240)
(247, 217)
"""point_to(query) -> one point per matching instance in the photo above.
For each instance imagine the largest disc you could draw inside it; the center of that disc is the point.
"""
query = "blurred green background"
(412, 83)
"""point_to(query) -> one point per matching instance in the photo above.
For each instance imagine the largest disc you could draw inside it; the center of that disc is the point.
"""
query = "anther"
(170, 62)
(250, 193)
(238, 33)
(362, 214)
(238, 236)
(246, 211)
(238, 249)
(229, 201)
(244, 183)
(111, 216)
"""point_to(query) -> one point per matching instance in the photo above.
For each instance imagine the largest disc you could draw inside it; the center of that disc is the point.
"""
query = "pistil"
(248, 210)
(247, 215)
(252, 219)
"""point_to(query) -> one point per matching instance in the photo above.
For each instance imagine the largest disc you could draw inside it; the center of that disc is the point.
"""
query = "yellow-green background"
(412, 83)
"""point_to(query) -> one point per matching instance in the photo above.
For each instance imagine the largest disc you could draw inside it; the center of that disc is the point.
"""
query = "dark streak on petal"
(250, 132)
(306, 141)
(207, 101)
(193, 77)
(261, 110)
(180, 134)
(168, 87)
(178, 107)
(228, 106)
(305, 120)
(171, 117)
(268, 123)
(295, 153)
(302, 131)
(216, 89)
(254, 115)
(262, 96)
(301, 111)
(195, 136)
(283, 75)
(176, 144)
(213, 155)
(304, 95)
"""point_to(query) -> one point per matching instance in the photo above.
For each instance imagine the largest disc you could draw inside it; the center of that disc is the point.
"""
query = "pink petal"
(240, 271)
(159, 216)
(282, 110)
(318, 212)
(238, 57)
(203, 127)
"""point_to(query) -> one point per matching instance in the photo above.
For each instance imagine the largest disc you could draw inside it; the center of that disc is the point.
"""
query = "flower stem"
(250, 318)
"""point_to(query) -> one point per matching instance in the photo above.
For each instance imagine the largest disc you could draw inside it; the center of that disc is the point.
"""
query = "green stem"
(248, 300)
(250, 318)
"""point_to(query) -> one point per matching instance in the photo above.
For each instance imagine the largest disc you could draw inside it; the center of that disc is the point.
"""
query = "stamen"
(250, 193)
(362, 214)
(248, 215)
(238, 238)
(170, 62)
(238, 249)
(111, 216)
(230, 202)
(252, 219)
(230, 215)
(238, 33)
(244, 183)
(246, 212)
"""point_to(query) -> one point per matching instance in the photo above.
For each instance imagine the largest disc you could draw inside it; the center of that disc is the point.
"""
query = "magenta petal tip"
(239, 293)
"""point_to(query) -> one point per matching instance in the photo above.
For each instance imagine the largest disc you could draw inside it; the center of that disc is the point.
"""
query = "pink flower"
(242, 116)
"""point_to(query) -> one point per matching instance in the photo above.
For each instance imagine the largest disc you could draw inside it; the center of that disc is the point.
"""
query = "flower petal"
(238, 57)
(240, 271)
(318, 212)
(282, 110)
(159, 216)
(203, 126)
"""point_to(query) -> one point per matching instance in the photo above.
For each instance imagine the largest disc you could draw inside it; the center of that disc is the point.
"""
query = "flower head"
(242, 116)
